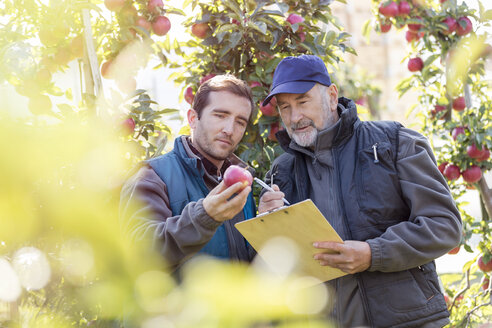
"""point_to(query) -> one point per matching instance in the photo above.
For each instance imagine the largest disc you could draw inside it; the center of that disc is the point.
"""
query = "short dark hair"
(226, 82)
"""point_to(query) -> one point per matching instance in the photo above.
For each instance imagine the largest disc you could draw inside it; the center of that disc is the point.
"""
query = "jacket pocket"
(378, 186)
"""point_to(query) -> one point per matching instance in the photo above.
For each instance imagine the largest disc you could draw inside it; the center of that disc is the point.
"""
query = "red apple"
(189, 96)
(415, 27)
(485, 267)
(268, 110)
(452, 172)
(295, 19)
(273, 101)
(459, 104)
(388, 9)
(457, 131)
(235, 21)
(143, 23)
(472, 174)
(485, 282)
(153, 5)
(128, 125)
(200, 30)
(415, 64)
(413, 36)
(451, 23)
(485, 155)
(254, 84)
(442, 166)
(274, 128)
(437, 109)
(443, 1)
(385, 26)
(114, 5)
(404, 9)
(464, 26)
(235, 174)
(455, 250)
(206, 78)
(302, 36)
(161, 25)
(474, 152)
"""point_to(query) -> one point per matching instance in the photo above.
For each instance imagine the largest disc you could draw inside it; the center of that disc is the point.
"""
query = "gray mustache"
(302, 124)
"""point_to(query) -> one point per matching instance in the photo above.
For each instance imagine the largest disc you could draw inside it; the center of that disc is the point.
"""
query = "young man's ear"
(192, 117)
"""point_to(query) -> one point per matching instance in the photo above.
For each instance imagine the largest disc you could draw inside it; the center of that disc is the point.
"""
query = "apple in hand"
(235, 173)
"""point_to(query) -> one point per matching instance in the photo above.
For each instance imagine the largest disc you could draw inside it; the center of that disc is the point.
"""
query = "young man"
(176, 199)
(378, 185)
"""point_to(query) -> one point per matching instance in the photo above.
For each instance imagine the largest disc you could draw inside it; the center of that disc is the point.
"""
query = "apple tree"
(248, 39)
(447, 53)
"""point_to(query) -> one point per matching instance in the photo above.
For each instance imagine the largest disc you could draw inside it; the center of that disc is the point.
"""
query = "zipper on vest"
(374, 149)
(341, 203)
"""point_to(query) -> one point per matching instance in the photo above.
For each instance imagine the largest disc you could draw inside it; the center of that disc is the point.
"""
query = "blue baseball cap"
(298, 75)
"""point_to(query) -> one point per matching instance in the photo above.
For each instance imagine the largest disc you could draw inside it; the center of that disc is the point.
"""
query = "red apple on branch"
(457, 131)
(415, 64)
(455, 250)
(474, 152)
(463, 26)
(268, 110)
(200, 30)
(189, 96)
(437, 109)
(484, 266)
(451, 23)
(114, 5)
(154, 5)
(143, 23)
(274, 128)
(235, 173)
(411, 36)
(404, 9)
(459, 104)
(161, 25)
(485, 155)
(206, 78)
(385, 26)
(485, 282)
(472, 174)
(388, 9)
(295, 19)
(442, 166)
(452, 172)
(128, 125)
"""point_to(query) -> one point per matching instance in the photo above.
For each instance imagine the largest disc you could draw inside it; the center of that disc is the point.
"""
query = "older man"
(378, 185)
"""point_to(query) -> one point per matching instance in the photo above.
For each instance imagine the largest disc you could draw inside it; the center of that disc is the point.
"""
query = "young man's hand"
(271, 200)
(219, 204)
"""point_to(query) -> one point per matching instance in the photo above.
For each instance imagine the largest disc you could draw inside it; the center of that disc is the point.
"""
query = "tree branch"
(486, 194)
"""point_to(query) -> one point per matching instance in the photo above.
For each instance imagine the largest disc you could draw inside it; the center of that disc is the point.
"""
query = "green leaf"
(226, 27)
(487, 16)
(259, 26)
(320, 16)
(175, 11)
(283, 7)
(234, 7)
(168, 111)
(366, 30)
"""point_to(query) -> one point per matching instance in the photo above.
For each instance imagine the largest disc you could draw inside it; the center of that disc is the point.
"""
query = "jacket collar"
(347, 111)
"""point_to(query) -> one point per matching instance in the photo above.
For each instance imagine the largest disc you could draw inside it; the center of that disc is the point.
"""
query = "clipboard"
(303, 224)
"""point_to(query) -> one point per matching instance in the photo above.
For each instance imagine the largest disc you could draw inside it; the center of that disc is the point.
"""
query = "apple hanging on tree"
(161, 25)
(189, 96)
(388, 9)
(472, 174)
(114, 5)
(452, 172)
(463, 26)
(459, 104)
(415, 64)
(200, 30)
(484, 266)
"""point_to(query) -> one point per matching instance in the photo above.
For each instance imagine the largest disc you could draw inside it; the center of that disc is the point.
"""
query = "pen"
(267, 187)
